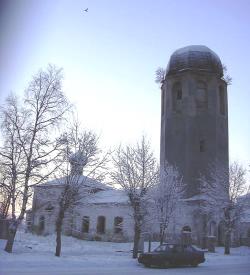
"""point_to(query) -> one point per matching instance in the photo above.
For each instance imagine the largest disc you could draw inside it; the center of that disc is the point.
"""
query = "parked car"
(167, 255)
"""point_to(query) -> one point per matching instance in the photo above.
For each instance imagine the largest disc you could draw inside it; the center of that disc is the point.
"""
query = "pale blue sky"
(110, 54)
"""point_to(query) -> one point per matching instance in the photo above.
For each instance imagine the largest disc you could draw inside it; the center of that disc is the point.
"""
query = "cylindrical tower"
(194, 114)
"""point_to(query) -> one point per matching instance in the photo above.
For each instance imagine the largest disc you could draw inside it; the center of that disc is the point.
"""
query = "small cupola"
(77, 161)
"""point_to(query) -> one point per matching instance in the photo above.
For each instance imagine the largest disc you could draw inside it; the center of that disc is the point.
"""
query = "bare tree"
(81, 154)
(222, 192)
(4, 202)
(136, 171)
(11, 155)
(32, 122)
(166, 196)
(160, 75)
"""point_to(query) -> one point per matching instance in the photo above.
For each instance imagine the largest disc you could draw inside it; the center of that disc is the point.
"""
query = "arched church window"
(221, 233)
(118, 224)
(201, 96)
(101, 225)
(222, 100)
(212, 228)
(85, 224)
(177, 97)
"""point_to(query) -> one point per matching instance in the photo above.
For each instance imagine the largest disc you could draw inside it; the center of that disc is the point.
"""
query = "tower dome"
(194, 58)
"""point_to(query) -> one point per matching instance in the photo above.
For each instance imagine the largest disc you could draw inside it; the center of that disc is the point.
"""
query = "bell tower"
(194, 114)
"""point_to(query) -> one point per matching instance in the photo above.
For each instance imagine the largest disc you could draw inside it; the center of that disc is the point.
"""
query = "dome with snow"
(195, 58)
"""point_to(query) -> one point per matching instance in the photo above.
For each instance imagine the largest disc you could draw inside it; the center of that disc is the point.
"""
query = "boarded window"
(85, 224)
(222, 100)
(118, 222)
(100, 225)
(201, 96)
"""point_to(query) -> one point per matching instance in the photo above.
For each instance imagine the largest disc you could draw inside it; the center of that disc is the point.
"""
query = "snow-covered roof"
(108, 196)
(196, 198)
(86, 181)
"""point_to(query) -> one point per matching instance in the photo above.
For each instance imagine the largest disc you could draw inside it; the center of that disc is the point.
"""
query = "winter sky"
(110, 53)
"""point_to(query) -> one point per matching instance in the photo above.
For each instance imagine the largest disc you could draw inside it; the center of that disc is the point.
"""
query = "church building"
(194, 134)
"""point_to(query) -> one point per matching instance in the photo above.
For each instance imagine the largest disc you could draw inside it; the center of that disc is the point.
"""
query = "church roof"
(195, 58)
(86, 181)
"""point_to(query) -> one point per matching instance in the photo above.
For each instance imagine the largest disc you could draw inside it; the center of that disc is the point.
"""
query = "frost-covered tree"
(28, 148)
(166, 196)
(5, 200)
(226, 77)
(81, 156)
(136, 171)
(221, 195)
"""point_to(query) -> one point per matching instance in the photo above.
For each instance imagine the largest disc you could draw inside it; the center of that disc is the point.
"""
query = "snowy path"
(83, 257)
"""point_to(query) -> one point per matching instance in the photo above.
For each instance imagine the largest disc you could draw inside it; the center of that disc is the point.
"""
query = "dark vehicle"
(167, 255)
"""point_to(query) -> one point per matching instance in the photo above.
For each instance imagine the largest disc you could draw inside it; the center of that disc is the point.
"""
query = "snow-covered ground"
(35, 255)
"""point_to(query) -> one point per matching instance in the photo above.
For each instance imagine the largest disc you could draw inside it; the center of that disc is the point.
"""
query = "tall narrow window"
(222, 100)
(118, 224)
(202, 145)
(212, 229)
(201, 96)
(85, 224)
(177, 97)
(162, 103)
(100, 225)
(41, 225)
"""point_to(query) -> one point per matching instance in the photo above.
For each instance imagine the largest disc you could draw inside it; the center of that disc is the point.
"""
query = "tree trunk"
(149, 243)
(136, 241)
(59, 232)
(162, 235)
(227, 243)
(58, 243)
(11, 236)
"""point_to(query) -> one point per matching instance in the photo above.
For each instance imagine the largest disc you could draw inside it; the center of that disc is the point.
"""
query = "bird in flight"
(86, 10)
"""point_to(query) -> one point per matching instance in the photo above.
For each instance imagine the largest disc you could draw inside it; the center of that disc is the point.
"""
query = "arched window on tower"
(248, 233)
(222, 100)
(162, 103)
(177, 97)
(202, 145)
(201, 96)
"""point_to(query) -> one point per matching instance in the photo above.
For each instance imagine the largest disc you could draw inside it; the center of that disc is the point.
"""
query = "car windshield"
(164, 247)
